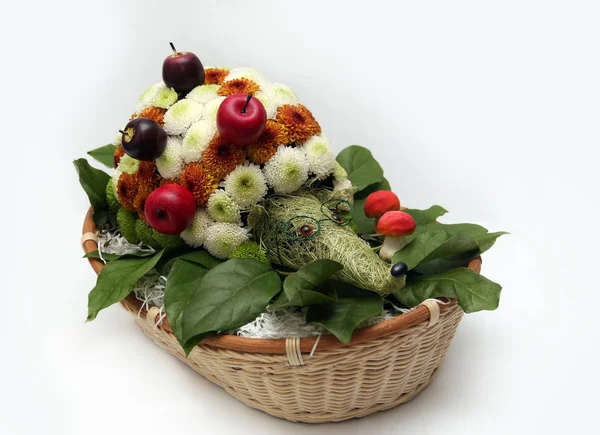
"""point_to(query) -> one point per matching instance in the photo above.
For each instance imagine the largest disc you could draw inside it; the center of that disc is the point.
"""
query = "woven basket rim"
(278, 346)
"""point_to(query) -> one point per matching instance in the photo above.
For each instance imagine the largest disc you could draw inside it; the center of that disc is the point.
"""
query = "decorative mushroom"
(377, 203)
(395, 226)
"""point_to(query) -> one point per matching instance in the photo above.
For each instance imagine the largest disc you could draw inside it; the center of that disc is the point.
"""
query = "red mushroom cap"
(377, 203)
(396, 224)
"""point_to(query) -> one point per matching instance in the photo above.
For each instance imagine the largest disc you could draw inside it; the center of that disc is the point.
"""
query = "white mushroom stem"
(390, 246)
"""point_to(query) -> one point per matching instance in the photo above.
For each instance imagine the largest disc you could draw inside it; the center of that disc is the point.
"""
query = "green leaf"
(105, 155)
(473, 291)
(486, 241)
(429, 216)
(342, 317)
(309, 286)
(112, 257)
(182, 284)
(116, 280)
(94, 183)
(200, 257)
(230, 295)
(433, 245)
(364, 225)
(363, 170)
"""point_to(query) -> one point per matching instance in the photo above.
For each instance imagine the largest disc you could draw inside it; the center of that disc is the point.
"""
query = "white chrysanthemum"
(170, 163)
(115, 177)
(195, 234)
(222, 208)
(321, 160)
(118, 138)
(267, 102)
(181, 115)
(196, 140)
(250, 73)
(342, 185)
(128, 164)
(222, 239)
(211, 108)
(339, 173)
(148, 96)
(287, 170)
(203, 94)
(280, 94)
(164, 97)
(246, 185)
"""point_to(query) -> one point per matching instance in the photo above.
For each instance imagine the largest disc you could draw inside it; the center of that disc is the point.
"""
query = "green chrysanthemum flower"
(196, 140)
(167, 240)
(164, 97)
(128, 164)
(145, 233)
(126, 221)
(280, 94)
(211, 108)
(195, 234)
(246, 185)
(148, 96)
(287, 170)
(339, 173)
(250, 250)
(203, 94)
(111, 197)
(222, 239)
(170, 163)
(321, 160)
(268, 103)
(222, 208)
(181, 115)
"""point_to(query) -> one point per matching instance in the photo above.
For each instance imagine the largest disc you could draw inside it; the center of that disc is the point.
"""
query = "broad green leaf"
(473, 291)
(230, 295)
(363, 170)
(197, 256)
(94, 183)
(182, 284)
(113, 257)
(433, 245)
(429, 216)
(342, 317)
(116, 280)
(105, 155)
(486, 241)
(309, 286)
(365, 225)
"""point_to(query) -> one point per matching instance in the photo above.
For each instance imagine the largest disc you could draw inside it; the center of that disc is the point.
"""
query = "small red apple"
(170, 209)
(241, 119)
(182, 71)
(143, 139)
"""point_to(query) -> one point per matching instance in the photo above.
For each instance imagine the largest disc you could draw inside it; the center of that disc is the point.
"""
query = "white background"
(490, 109)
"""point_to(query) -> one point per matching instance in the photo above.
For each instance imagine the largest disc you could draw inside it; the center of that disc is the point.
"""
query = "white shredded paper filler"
(291, 322)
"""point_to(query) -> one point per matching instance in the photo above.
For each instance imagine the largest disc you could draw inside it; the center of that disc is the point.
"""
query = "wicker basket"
(383, 366)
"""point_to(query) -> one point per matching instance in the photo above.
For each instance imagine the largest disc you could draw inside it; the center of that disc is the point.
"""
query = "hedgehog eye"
(337, 210)
(301, 228)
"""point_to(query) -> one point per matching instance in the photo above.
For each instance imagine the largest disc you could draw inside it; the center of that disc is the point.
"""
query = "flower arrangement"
(225, 187)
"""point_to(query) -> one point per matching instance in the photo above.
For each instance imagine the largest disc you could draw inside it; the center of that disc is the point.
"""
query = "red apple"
(170, 209)
(143, 139)
(241, 119)
(182, 71)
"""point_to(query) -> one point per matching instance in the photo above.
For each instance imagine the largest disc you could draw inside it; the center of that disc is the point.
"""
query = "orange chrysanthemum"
(156, 114)
(119, 152)
(297, 122)
(214, 76)
(198, 181)
(165, 181)
(127, 188)
(139, 202)
(147, 173)
(266, 146)
(238, 86)
(220, 158)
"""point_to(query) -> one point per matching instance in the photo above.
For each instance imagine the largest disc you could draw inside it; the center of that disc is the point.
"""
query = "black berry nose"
(399, 270)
